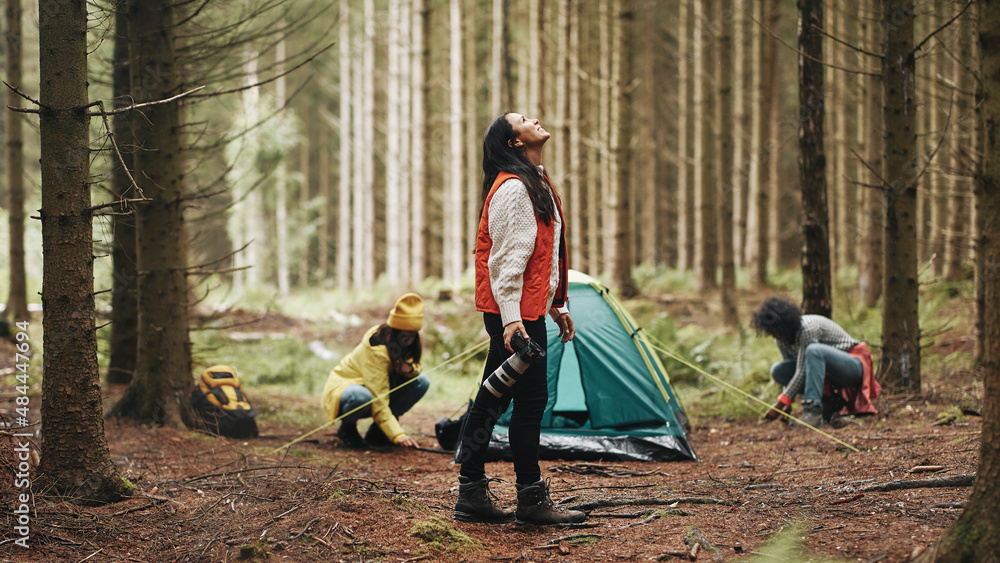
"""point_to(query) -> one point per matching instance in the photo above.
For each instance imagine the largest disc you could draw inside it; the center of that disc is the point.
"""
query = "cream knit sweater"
(513, 228)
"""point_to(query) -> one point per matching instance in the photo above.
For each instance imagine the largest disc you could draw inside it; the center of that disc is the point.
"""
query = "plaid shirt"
(814, 328)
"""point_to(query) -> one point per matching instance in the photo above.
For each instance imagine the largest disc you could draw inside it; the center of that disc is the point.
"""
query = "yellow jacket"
(369, 366)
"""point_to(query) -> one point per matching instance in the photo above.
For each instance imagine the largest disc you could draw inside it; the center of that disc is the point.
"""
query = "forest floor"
(201, 498)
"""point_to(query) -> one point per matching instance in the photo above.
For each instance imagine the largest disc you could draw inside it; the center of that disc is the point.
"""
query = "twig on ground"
(645, 520)
(601, 470)
(91, 555)
(643, 502)
(305, 529)
(822, 528)
(640, 486)
(638, 513)
(800, 470)
(324, 542)
(927, 469)
(762, 486)
(846, 500)
(576, 538)
(964, 480)
(287, 512)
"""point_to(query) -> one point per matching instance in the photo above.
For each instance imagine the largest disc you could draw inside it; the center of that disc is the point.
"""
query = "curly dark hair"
(777, 317)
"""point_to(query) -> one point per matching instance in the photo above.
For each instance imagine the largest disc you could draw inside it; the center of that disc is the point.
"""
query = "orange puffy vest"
(535, 291)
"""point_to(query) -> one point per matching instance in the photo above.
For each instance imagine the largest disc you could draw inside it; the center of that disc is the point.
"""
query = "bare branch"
(224, 257)
(946, 24)
(131, 107)
(210, 272)
(810, 57)
(870, 169)
(845, 43)
(121, 202)
(114, 143)
(269, 80)
(26, 97)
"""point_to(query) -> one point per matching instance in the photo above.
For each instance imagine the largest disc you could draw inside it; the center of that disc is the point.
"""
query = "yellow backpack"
(220, 401)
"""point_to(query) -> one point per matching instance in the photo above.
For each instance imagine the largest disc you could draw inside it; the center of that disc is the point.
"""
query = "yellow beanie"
(408, 313)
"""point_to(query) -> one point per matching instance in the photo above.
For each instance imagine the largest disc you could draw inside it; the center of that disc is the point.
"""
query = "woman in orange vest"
(520, 277)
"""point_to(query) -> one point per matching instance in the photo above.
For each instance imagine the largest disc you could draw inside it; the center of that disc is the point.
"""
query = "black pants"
(529, 394)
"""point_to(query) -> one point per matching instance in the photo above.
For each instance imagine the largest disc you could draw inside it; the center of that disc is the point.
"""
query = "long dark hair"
(499, 156)
(390, 338)
(778, 317)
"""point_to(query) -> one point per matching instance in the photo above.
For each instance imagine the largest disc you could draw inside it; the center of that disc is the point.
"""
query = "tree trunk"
(961, 160)
(17, 299)
(358, 188)
(771, 229)
(685, 188)
(874, 200)
(559, 114)
(608, 135)
(497, 59)
(534, 77)
(471, 133)
(304, 254)
(162, 383)
(405, 138)
(975, 536)
(653, 203)
(816, 297)
(728, 175)
(624, 24)
(739, 133)
(756, 236)
(841, 256)
(453, 200)
(575, 177)
(281, 181)
(393, 235)
(75, 460)
(419, 140)
(936, 177)
(253, 214)
(124, 339)
(706, 155)
(368, 133)
(346, 130)
(900, 365)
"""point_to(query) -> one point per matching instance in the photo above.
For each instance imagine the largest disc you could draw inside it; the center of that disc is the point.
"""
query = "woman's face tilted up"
(527, 132)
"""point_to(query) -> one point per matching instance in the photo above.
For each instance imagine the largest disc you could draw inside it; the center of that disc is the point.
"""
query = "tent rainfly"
(609, 395)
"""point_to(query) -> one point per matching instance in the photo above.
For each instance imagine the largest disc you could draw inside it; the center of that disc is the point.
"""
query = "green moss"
(438, 534)
(404, 503)
(255, 549)
(127, 488)
(339, 493)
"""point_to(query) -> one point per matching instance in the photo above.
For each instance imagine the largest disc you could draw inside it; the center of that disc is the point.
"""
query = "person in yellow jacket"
(387, 357)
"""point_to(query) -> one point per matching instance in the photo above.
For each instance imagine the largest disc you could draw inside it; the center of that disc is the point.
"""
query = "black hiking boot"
(475, 503)
(349, 436)
(832, 405)
(376, 437)
(812, 414)
(535, 507)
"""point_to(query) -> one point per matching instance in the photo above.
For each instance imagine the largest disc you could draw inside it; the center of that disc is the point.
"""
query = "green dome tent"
(609, 396)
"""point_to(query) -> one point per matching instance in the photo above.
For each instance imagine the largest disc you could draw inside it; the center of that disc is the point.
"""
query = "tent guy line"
(660, 347)
(464, 355)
